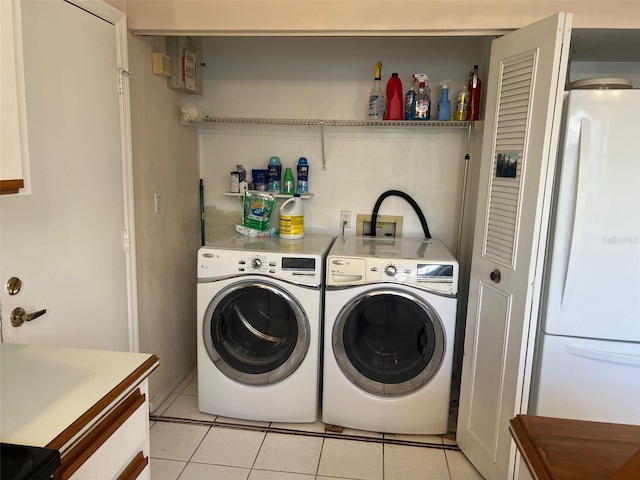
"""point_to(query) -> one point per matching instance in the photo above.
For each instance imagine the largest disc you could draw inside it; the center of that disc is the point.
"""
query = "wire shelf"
(333, 123)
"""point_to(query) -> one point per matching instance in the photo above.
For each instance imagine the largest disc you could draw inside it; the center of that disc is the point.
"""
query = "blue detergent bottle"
(302, 187)
(444, 105)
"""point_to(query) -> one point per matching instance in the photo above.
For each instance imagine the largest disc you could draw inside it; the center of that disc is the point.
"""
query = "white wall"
(330, 78)
(164, 161)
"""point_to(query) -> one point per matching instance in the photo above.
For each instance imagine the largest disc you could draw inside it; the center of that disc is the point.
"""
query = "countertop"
(47, 394)
(558, 448)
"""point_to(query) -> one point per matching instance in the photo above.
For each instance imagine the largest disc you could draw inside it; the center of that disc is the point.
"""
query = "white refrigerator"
(588, 347)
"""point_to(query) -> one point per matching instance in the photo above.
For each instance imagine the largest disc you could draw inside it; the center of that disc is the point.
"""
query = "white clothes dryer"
(390, 314)
(259, 327)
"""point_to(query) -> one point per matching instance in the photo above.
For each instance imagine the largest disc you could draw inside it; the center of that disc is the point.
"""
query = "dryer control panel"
(433, 276)
(305, 269)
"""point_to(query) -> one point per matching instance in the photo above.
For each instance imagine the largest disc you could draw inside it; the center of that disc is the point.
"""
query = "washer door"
(388, 341)
(255, 332)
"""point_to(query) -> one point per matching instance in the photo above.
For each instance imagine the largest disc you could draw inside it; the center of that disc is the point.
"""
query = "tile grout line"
(268, 429)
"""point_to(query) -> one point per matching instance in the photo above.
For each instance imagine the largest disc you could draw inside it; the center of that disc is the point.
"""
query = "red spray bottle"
(474, 91)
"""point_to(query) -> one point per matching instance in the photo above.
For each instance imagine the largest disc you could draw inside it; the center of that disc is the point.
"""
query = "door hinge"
(121, 73)
(125, 237)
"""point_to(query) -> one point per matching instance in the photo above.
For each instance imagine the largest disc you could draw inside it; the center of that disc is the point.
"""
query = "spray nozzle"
(421, 77)
(378, 69)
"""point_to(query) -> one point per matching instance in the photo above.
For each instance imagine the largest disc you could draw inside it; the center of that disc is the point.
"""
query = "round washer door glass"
(255, 332)
(388, 341)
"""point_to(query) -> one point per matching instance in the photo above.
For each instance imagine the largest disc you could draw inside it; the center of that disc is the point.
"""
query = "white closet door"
(524, 97)
(65, 240)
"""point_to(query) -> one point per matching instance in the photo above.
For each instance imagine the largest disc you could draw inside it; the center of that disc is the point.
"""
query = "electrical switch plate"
(156, 202)
(345, 219)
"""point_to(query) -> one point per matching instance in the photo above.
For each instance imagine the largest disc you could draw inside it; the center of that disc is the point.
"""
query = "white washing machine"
(390, 314)
(259, 327)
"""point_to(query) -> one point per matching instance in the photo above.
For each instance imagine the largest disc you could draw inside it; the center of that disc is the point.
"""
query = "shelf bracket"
(324, 159)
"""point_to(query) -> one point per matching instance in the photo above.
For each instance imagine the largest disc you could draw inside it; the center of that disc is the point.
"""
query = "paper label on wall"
(189, 70)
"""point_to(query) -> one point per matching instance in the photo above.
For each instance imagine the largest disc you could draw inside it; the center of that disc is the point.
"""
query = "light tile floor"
(187, 444)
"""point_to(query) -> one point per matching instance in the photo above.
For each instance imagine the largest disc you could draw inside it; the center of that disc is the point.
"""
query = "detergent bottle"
(377, 101)
(395, 102)
(292, 218)
(462, 105)
(422, 107)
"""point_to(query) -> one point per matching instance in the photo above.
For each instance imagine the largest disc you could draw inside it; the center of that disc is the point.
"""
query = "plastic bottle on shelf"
(292, 218)
(462, 105)
(302, 187)
(474, 94)
(377, 101)
(444, 105)
(288, 185)
(422, 107)
(395, 99)
(275, 175)
(410, 101)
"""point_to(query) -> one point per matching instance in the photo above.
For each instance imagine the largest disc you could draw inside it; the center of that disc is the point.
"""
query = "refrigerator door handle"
(604, 356)
(577, 234)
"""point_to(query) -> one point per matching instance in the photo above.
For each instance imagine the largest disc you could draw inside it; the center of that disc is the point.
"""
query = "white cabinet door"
(524, 98)
(65, 240)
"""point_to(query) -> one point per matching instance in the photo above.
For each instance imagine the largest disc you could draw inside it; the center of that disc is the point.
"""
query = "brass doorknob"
(495, 276)
(19, 316)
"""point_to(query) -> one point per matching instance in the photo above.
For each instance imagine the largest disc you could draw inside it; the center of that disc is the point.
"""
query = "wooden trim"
(10, 186)
(135, 468)
(99, 435)
(86, 418)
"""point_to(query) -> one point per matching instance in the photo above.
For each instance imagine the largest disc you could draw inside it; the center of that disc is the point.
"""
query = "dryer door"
(255, 332)
(388, 341)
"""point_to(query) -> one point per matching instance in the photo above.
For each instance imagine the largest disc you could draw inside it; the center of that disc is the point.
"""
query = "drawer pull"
(135, 468)
(100, 434)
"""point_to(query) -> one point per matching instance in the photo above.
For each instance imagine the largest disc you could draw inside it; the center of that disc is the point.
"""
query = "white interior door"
(524, 99)
(65, 240)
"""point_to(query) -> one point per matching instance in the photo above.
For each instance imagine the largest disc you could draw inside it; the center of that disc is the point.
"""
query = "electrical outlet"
(345, 219)
(156, 202)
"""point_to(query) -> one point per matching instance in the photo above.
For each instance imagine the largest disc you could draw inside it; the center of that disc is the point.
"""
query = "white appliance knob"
(390, 270)
(256, 264)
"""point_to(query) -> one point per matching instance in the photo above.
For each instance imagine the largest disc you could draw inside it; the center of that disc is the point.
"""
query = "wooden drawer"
(113, 446)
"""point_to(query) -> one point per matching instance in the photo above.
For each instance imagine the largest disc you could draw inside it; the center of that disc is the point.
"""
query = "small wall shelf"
(277, 195)
(310, 122)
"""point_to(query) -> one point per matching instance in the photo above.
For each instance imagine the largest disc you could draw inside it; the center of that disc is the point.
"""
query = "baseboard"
(170, 386)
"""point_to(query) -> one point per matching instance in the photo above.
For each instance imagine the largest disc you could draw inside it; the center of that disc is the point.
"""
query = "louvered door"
(526, 81)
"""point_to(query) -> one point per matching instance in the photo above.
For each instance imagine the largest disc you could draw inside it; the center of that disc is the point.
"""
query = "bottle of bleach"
(292, 218)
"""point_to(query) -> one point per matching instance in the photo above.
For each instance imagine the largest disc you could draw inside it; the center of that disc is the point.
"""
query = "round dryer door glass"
(255, 332)
(388, 341)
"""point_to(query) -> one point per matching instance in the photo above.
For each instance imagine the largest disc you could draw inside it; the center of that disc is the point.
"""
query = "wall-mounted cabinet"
(13, 145)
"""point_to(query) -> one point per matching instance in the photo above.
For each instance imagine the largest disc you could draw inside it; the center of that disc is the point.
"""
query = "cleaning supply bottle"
(422, 107)
(302, 187)
(410, 101)
(395, 99)
(292, 218)
(275, 175)
(377, 101)
(444, 105)
(462, 105)
(288, 186)
(474, 94)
